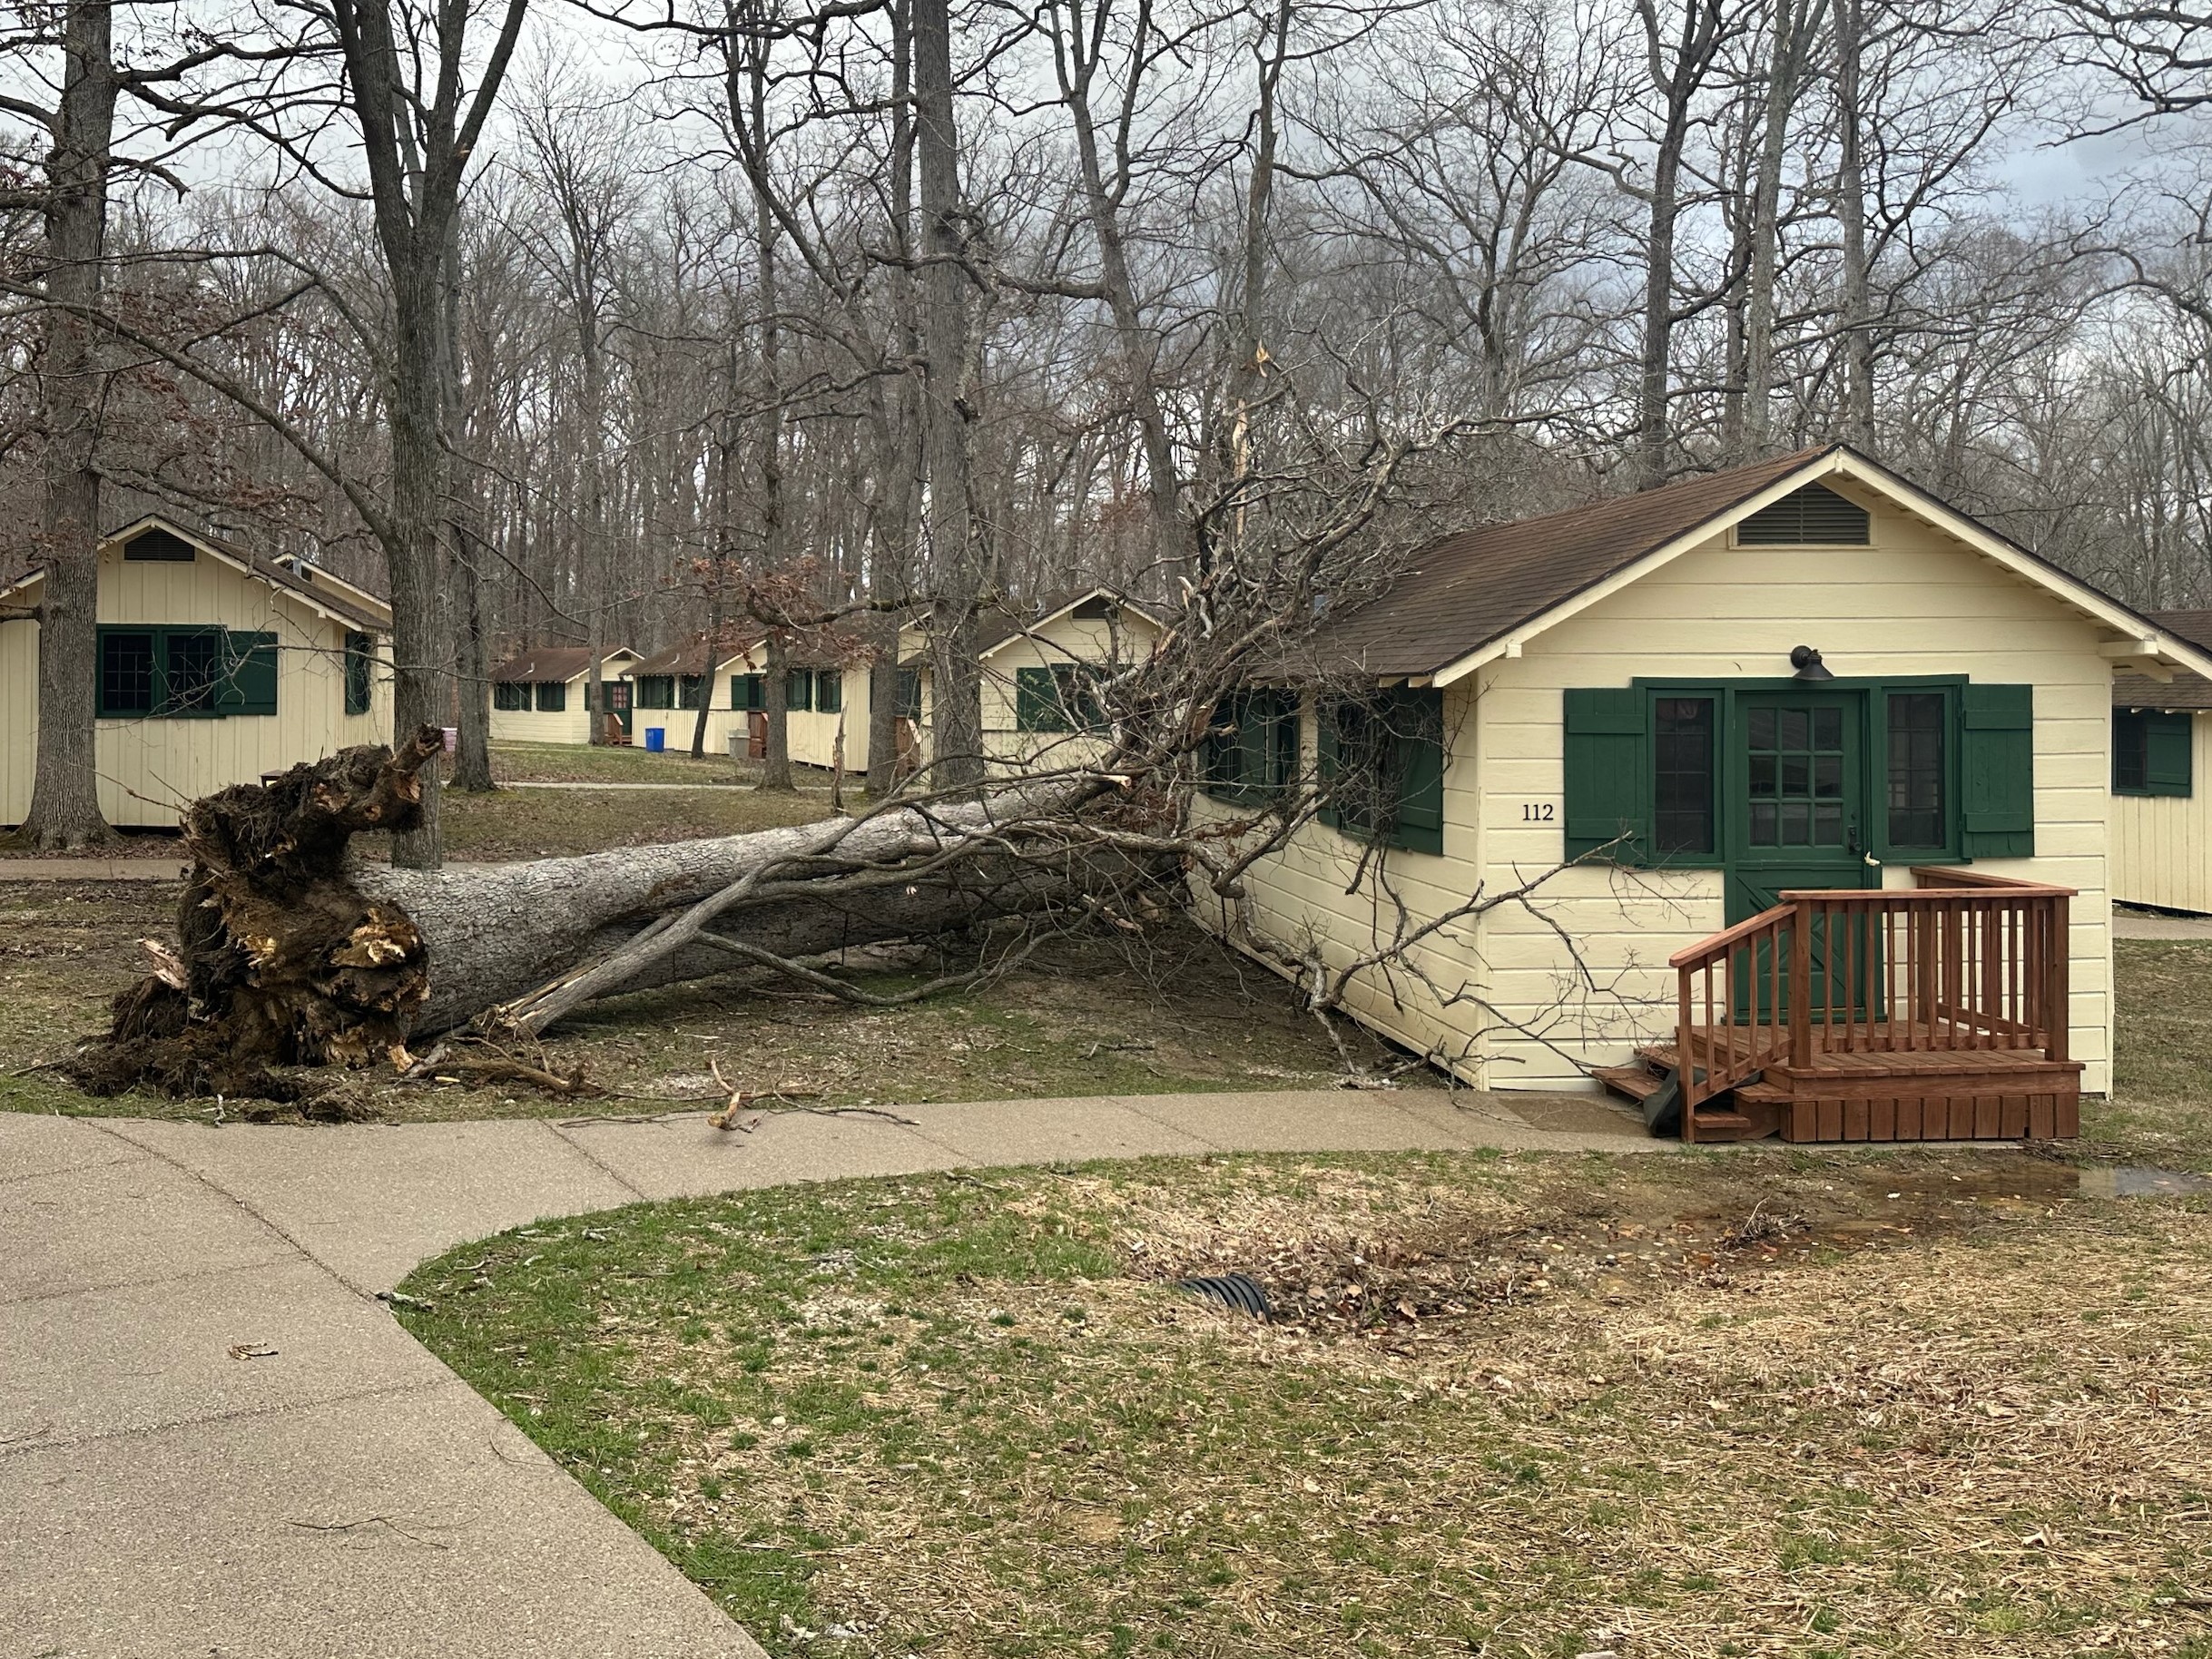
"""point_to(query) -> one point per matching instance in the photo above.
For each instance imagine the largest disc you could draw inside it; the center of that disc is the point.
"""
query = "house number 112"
(1535, 812)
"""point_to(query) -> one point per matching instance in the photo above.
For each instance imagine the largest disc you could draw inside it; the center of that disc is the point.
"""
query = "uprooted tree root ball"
(284, 961)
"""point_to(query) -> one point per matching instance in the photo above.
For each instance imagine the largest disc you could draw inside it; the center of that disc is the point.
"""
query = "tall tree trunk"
(64, 809)
(1858, 341)
(472, 758)
(1784, 67)
(957, 566)
(775, 682)
(414, 552)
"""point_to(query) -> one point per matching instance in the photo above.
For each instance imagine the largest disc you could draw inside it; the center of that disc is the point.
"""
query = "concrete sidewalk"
(214, 1440)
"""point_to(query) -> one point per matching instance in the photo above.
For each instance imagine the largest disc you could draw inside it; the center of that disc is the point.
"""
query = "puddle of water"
(2135, 1181)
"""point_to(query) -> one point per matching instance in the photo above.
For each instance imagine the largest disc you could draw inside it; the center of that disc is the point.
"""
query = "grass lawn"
(579, 762)
(1078, 1019)
(1917, 1402)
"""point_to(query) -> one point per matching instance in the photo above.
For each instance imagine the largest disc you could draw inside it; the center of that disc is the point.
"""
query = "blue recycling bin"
(656, 738)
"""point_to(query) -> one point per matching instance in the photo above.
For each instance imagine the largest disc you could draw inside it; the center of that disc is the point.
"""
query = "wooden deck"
(1932, 1014)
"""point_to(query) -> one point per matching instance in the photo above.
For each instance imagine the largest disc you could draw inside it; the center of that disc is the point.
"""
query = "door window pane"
(1796, 730)
(1793, 775)
(1682, 798)
(1916, 769)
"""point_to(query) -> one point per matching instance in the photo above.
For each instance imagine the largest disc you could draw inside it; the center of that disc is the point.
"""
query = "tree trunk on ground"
(294, 954)
(64, 809)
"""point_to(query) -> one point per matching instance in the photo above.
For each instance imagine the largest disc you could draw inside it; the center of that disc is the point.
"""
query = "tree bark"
(65, 810)
(472, 755)
(957, 717)
(1851, 216)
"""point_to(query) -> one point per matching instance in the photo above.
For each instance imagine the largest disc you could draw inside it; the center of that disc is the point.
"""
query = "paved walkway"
(214, 1440)
(2157, 925)
(92, 870)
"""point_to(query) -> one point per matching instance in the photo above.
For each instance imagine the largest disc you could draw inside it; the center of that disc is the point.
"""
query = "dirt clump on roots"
(283, 964)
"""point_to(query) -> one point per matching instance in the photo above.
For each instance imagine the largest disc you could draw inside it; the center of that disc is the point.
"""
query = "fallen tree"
(294, 952)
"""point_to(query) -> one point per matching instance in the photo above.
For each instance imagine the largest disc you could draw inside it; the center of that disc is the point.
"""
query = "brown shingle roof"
(2188, 691)
(820, 648)
(551, 662)
(1459, 595)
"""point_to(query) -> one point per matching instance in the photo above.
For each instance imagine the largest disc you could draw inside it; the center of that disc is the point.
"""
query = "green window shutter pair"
(1997, 770)
(1417, 727)
(829, 691)
(748, 691)
(552, 697)
(177, 673)
(360, 666)
(798, 688)
(1607, 773)
(510, 696)
(1037, 702)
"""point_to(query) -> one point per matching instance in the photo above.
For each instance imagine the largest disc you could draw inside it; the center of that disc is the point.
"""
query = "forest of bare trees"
(587, 321)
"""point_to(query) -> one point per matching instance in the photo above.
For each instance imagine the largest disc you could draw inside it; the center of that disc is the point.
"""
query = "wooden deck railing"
(1962, 961)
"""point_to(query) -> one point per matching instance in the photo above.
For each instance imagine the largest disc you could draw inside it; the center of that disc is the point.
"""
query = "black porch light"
(1806, 662)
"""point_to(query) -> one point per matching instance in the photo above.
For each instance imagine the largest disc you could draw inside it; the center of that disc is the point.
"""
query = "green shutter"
(829, 692)
(360, 668)
(1416, 726)
(1037, 702)
(1997, 765)
(552, 697)
(1325, 715)
(2167, 758)
(798, 689)
(1608, 771)
(249, 684)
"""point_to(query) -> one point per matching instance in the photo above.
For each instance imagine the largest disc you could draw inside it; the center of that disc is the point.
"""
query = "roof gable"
(1480, 596)
(333, 597)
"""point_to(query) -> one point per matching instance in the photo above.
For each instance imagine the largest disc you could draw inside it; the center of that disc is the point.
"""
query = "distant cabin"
(1037, 669)
(543, 694)
(1823, 768)
(825, 698)
(1040, 710)
(214, 665)
(2162, 779)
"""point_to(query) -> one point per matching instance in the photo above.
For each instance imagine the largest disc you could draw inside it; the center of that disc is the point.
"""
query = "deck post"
(1801, 983)
(2058, 952)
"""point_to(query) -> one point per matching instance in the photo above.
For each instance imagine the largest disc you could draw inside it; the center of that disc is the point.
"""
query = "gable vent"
(161, 545)
(1814, 514)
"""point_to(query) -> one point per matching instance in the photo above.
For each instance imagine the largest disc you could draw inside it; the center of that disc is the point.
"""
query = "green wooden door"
(1798, 809)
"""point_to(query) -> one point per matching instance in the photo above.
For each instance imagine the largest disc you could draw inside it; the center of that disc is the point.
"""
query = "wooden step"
(1638, 1082)
(1713, 1126)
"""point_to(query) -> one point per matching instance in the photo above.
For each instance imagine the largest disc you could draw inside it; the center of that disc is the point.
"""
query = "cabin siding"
(572, 724)
(812, 735)
(1915, 602)
(150, 769)
(2162, 845)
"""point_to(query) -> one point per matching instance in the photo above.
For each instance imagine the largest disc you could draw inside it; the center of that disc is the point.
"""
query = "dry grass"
(1930, 1404)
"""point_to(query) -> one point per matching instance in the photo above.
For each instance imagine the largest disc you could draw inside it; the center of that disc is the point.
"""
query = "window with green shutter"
(1037, 702)
(656, 692)
(1383, 767)
(511, 696)
(360, 669)
(908, 705)
(748, 691)
(2151, 752)
(184, 673)
(1250, 750)
(691, 689)
(798, 688)
(552, 697)
(829, 691)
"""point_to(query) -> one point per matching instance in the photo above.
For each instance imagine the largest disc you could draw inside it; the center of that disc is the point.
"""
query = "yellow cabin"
(2162, 744)
(543, 695)
(215, 666)
(1810, 772)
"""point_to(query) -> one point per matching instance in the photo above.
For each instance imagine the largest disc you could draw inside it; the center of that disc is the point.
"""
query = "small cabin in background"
(2161, 746)
(1038, 709)
(214, 665)
(543, 695)
(825, 698)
